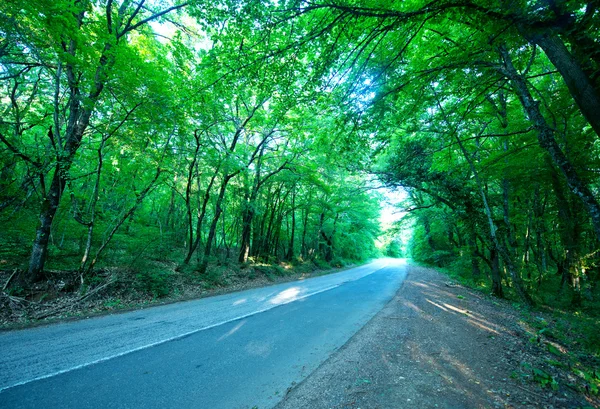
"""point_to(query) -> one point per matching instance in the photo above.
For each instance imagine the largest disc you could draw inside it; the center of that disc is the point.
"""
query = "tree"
(54, 38)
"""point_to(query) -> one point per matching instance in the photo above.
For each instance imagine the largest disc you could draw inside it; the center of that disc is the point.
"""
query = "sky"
(390, 212)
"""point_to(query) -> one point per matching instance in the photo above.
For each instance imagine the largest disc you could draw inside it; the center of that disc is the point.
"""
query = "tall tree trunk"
(248, 210)
(540, 245)
(200, 219)
(188, 197)
(508, 262)
(579, 84)
(213, 225)
(495, 272)
(78, 121)
(290, 252)
(548, 142)
(473, 252)
(92, 207)
(303, 246)
(266, 249)
(247, 217)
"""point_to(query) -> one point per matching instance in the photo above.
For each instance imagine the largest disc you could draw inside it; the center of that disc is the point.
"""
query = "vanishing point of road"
(236, 351)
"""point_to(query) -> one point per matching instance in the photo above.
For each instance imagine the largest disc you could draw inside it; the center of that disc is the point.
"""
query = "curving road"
(241, 350)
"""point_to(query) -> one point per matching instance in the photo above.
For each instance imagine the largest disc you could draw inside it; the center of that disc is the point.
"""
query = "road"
(236, 351)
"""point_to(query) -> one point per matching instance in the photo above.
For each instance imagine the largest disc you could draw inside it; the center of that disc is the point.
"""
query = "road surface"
(236, 351)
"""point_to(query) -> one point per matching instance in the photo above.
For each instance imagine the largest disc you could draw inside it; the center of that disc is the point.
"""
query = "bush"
(279, 271)
(215, 276)
(338, 262)
(157, 283)
(321, 264)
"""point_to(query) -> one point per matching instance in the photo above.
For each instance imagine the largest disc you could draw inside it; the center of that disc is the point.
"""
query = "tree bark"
(200, 219)
(91, 223)
(579, 84)
(548, 142)
(290, 252)
(213, 225)
(496, 276)
(508, 262)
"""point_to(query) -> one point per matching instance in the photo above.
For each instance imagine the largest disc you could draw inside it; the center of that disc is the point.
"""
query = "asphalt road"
(236, 351)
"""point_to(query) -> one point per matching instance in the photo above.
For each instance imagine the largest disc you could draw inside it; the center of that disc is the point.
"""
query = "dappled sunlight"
(440, 300)
(232, 330)
(286, 296)
(412, 306)
(454, 374)
(437, 305)
(459, 366)
(482, 326)
(453, 308)
(438, 293)
(432, 290)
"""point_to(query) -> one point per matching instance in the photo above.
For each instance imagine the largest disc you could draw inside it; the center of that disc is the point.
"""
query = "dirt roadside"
(441, 345)
(117, 294)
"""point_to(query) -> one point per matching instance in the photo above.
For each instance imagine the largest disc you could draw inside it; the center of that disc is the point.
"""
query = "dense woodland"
(135, 133)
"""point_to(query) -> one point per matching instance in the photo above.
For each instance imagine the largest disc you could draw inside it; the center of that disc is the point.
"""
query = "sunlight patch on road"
(286, 296)
(482, 326)
(232, 330)
(413, 306)
(453, 308)
(437, 305)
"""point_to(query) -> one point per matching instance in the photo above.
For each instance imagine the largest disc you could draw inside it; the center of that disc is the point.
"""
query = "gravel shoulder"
(441, 345)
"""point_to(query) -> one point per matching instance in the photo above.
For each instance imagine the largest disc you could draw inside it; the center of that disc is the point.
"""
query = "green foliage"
(394, 249)
(215, 276)
(195, 137)
(322, 264)
(154, 282)
(544, 379)
(592, 379)
(113, 304)
(538, 375)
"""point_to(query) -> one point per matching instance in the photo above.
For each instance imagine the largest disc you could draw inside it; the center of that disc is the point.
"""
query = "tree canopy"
(195, 132)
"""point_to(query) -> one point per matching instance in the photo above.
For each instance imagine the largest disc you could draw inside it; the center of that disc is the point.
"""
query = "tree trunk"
(516, 279)
(303, 246)
(213, 225)
(248, 211)
(247, 216)
(473, 251)
(548, 142)
(579, 84)
(188, 198)
(200, 219)
(290, 253)
(88, 245)
(496, 276)
(78, 121)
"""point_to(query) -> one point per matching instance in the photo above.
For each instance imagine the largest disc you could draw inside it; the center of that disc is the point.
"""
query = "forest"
(163, 137)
